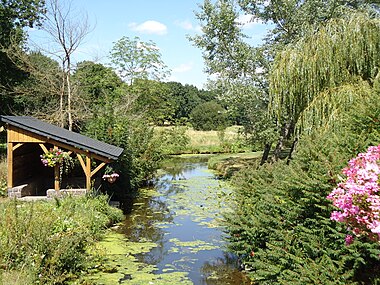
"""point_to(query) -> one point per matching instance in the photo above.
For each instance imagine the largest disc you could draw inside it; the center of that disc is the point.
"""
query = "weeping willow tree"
(319, 77)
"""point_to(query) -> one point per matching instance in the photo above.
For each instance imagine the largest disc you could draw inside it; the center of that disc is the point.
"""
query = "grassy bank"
(227, 164)
(186, 140)
(3, 175)
(45, 242)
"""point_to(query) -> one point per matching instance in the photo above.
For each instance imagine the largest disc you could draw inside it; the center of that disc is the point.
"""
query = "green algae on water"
(118, 265)
(193, 246)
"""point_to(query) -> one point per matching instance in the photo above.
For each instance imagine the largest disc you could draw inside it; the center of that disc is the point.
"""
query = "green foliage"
(135, 59)
(3, 173)
(14, 15)
(222, 41)
(243, 68)
(319, 76)
(95, 81)
(3, 187)
(38, 93)
(49, 239)
(281, 225)
(209, 116)
(117, 124)
(173, 140)
(153, 99)
(186, 98)
(294, 19)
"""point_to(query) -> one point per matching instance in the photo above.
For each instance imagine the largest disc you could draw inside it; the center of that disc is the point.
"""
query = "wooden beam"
(17, 146)
(10, 164)
(88, 172)
(43, 148)
(100, 166)
(77, 150)
(81, 162)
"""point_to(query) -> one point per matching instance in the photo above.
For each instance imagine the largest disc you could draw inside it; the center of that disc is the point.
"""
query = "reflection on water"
(181, 214)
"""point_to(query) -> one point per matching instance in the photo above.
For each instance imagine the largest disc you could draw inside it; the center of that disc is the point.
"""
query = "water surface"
(177, 225)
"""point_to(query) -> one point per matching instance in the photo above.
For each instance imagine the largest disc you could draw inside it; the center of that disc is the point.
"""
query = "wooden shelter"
(28, 138)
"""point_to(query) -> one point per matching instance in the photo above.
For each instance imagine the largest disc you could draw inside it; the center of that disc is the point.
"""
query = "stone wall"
(27, 189)
(51, 193)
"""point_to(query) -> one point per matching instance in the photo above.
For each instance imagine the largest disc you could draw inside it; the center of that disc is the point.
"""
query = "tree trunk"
(280, 143)
(265, 156)
(69, 95)
(294, 145)
(62, 95)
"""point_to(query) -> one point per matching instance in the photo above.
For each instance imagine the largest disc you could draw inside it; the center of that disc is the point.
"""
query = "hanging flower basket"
(110, 175)
(53, 157)
(111, 178)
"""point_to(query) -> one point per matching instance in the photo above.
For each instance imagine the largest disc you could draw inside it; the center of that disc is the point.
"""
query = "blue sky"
(165, 22)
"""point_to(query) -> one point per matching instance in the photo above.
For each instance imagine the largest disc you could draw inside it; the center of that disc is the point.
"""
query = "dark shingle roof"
(64, 136)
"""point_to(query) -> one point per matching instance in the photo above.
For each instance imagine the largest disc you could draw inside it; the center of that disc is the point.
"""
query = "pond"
(174, 233)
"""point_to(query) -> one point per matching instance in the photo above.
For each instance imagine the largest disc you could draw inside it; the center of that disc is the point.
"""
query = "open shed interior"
(28, 139)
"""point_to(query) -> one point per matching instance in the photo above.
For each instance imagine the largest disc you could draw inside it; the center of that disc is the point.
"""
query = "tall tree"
(95, 80)
(36, 95)
(315, 79)
(227, 53)
(134, 59)
(67, 31)
(152, 98)
(14, 16)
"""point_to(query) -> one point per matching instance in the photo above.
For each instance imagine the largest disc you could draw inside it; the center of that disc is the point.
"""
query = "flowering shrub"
(53, 157)
(357, 196)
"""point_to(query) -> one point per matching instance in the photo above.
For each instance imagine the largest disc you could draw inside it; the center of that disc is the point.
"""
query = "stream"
(173, 234)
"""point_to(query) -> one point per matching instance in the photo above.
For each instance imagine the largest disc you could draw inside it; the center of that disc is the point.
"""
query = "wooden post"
(10, 164)
(88, 172)
(56, 175)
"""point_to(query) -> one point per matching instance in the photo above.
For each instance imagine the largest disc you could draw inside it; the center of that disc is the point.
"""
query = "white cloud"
(184, 67)
(149, 27)
(187, 25)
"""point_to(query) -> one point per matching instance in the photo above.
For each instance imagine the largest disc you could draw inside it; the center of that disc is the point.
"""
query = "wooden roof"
(64, 136)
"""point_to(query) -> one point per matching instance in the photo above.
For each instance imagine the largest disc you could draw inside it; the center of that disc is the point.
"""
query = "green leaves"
(134, 59)
(324, 73)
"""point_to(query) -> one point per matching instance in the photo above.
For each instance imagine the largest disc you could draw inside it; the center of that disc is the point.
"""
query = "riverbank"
(226, 165)
(186, 140)
(45, 242)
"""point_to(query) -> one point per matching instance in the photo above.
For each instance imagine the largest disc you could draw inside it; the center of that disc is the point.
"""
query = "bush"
(209, 116)
(142, 153)
(47, 241)
(173, 140)
(281, 226)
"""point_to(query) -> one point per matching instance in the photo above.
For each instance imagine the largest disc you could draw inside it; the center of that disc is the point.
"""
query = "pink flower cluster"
(357, 196)
(113, 175)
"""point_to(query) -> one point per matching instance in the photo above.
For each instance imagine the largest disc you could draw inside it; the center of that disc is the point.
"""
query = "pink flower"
(349, 239)
(356, 196)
